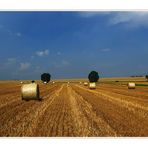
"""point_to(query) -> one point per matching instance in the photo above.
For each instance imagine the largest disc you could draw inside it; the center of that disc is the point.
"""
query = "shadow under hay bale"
(30, 92)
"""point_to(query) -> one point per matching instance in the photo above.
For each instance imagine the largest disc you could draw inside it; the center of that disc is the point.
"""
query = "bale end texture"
(30, 91)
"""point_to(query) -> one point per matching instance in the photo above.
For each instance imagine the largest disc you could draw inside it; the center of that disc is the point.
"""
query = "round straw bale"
(45, 82)
(131, 85)
(30, 91)
(85, 83)
(92, 85)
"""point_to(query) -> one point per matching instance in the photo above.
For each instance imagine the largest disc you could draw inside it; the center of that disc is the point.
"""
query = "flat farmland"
(74, 110)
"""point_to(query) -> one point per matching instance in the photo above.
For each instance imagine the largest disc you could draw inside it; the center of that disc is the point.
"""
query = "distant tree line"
(137, 76)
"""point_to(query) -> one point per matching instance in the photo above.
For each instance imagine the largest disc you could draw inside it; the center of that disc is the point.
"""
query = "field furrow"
(74, 110)
(125, 121)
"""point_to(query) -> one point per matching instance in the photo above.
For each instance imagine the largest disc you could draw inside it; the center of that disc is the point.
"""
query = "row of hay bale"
(92, 85)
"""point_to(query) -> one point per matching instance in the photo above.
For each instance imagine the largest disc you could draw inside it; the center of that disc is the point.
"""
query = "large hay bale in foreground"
(131, 85)
(30, 91)
(92, 85)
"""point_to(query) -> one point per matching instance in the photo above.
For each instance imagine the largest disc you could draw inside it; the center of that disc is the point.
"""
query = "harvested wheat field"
(74, 110)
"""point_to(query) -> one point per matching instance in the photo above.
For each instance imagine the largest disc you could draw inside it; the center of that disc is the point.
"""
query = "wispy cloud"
(11, 61)
(105, 50)
(130, 19)
(42, 53)
(32, 57)
(65, 63)
(8, 63)
(89, 14)
(18, 34)
(24, 66)
(10, 32)
(134, 19)
(58, 53)
(61, 64)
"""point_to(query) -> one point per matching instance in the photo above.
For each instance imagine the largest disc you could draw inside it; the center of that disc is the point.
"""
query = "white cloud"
(132, 19)
(24, 66)
(42, 53)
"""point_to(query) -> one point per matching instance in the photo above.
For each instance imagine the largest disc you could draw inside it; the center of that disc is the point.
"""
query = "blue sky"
(71, 44)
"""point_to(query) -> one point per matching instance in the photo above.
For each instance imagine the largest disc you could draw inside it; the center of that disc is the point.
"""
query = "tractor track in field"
(127, 101)
(138, 92)
(89, 123)
(126, 119)
(6, 99)
(70, 115)
(69, 110)
(16, 118)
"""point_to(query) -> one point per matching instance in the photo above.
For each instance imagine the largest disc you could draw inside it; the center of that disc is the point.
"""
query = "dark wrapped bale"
(30, 91)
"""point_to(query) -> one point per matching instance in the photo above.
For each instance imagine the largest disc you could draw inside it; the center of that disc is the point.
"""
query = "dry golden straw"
(30, 91)
(131, 85)
(85, 83)
(92, 85)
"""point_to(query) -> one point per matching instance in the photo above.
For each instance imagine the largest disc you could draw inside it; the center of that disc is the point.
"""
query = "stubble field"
(73, 110)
